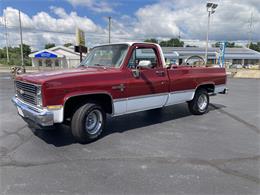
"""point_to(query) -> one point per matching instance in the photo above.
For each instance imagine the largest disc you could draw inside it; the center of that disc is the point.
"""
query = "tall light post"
(211, 7)
(6, 39)
(109, 29)
(21, 37)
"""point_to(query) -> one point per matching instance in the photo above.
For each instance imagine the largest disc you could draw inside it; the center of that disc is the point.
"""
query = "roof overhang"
(45, 54)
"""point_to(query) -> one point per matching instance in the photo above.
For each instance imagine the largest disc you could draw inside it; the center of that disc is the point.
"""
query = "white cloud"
(229, 22)
(33, 26)
(162, 20)
(94, 5)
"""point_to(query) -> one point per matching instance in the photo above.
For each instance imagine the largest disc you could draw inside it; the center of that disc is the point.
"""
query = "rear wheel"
(88, 122)
(199, 104)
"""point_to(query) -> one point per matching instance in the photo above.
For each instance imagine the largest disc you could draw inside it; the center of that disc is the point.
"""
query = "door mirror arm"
(136, 72)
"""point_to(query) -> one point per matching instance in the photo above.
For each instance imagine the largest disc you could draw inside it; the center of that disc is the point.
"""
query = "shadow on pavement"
(62, 136)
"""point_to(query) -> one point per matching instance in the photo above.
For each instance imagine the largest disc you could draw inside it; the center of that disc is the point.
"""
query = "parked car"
(113, 79)
(246, 66)
(237, 66)
(254, 66)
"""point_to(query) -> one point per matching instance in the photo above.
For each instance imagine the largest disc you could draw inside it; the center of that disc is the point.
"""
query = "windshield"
(108, 55)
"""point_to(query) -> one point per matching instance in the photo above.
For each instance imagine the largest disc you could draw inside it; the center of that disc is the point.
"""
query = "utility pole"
(250, 30)
(109, 29)
(6, 39)
(21, 36)
(211, 10)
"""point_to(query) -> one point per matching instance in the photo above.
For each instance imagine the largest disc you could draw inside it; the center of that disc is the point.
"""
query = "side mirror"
(144, 64)
(136, 73)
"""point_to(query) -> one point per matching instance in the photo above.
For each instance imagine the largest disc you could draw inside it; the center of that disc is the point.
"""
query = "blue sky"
(132, 20)
(32, 7)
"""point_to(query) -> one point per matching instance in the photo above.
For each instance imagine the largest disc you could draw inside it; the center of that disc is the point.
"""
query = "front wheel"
(88, 122)
(200, 102)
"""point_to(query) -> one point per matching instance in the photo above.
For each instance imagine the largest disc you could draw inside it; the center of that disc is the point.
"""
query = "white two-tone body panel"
(147, 102)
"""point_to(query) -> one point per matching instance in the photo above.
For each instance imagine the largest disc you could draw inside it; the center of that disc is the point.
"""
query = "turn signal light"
(54, 107)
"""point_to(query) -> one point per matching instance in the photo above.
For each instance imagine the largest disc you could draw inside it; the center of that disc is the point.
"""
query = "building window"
(48, 63)
(40, 63)
(237, 61)
(57, 64)
(251, 61)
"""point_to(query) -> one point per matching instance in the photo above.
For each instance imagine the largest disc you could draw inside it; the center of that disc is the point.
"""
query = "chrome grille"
(26, 92)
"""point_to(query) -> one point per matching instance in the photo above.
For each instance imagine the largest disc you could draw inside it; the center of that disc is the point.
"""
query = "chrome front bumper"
(41, 117)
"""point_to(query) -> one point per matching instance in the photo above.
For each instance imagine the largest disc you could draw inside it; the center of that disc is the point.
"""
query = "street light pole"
(207, 40)
(210, 9)
(21, 37)
(6, 39)
(109, 29)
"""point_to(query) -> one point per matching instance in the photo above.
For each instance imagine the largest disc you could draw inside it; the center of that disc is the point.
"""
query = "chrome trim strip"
(183, 91)
(140, 96)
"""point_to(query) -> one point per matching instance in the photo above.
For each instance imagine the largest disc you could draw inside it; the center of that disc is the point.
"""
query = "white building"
(55, 57)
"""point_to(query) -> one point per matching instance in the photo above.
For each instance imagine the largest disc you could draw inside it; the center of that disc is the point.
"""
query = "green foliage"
(168, 43)
(49, 45)
(26, 50)
(151, 40)
(172, 43)
(255, 46)
(191, 46)
(67, 44)
(228, 44)
(15, 56)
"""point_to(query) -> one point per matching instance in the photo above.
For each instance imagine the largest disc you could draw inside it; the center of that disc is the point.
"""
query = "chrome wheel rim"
(202, 102)
(93, 121)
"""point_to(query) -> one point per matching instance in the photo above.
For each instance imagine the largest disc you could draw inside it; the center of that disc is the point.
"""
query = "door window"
(143, 54)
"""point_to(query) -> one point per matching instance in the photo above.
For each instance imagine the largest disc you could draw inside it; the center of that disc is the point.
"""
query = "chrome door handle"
(120, 87)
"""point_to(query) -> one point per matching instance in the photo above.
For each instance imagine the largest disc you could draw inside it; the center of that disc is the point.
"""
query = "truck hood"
(41, 77)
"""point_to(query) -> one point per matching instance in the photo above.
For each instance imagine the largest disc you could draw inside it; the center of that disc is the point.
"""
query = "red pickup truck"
(113, 79)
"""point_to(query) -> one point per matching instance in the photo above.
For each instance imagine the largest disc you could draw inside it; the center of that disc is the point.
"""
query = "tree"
(190, 46)
(68, 44)
(151, 40)
(15, 55)
(172, 43)
(49, 45)
(26, 50)
(228, 44)
(255, 46)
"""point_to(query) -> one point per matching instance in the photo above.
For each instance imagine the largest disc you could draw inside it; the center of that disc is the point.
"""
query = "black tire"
(79, 122)
(194, 105)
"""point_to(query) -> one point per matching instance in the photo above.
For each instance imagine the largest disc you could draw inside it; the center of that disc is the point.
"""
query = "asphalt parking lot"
(152, 152)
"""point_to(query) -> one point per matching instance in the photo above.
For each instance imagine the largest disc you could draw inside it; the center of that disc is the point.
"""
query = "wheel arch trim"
(88, 94)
